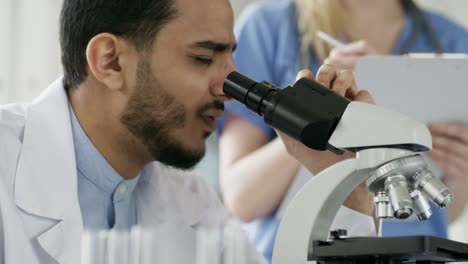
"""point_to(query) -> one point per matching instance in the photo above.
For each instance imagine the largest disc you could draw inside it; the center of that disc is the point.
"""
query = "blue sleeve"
(253, 56)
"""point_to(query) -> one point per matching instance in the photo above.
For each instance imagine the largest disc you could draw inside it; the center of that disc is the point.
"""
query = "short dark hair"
(81, 20)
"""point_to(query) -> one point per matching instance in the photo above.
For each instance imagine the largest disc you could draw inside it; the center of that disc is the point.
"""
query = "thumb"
(305, 73)
(364, 96)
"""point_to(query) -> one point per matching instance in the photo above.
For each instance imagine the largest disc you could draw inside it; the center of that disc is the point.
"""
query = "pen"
(330, 40)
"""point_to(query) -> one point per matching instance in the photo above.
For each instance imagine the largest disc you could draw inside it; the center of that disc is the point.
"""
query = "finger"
(450, 145)
(345, 84)
(454, 173)
(326, 74)
(449, 163)
(305, 73)
(364, 96)
(360, 47)
(344, 62)
(451, 129)
(443, 158)
(449, 171)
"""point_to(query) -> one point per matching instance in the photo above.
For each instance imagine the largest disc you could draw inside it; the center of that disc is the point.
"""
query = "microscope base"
(389, 250)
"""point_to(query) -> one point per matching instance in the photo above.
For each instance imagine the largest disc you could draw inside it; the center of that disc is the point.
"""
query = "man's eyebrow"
(214, 46)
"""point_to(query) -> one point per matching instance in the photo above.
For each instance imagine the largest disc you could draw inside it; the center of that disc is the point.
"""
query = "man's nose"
(217, 87)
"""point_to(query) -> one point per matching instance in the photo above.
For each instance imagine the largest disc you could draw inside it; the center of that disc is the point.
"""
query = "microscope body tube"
(322, 119)
(306, 111)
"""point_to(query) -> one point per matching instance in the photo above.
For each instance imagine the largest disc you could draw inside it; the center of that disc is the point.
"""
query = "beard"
(151, 114)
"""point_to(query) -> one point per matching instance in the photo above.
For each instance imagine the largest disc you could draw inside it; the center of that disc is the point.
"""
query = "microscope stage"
(411, 249)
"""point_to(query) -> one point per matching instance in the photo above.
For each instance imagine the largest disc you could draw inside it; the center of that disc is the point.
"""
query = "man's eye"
(204, 60)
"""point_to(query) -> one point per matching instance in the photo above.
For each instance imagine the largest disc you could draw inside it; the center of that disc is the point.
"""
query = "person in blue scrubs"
(256, 171)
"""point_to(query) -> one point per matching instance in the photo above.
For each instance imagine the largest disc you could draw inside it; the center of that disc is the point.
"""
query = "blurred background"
(30, 56)
(30, 51)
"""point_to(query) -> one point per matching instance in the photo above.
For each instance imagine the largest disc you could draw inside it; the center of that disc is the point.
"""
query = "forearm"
(255, 184)
(361, 200)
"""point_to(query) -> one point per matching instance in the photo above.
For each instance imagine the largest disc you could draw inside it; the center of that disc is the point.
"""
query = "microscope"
(388, 147)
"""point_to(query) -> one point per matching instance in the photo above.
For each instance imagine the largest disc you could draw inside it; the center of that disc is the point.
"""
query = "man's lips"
(213, 113)
(209, 118)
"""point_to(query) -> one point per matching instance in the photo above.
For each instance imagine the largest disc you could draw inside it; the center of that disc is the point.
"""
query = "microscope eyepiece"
(256, 96)
(237, 86)
(306, 111)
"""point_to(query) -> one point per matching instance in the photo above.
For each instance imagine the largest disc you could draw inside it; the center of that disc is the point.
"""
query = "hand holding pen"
(345, 56)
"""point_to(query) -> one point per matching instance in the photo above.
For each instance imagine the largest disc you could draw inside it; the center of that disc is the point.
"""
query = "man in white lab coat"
(106, 146)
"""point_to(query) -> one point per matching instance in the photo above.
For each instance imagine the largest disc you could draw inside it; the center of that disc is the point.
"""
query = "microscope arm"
(322, 197)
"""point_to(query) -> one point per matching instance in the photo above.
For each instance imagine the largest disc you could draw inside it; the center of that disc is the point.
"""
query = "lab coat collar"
(45, 183)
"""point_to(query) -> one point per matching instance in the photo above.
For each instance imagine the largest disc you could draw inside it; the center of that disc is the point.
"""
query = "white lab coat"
(40, 217)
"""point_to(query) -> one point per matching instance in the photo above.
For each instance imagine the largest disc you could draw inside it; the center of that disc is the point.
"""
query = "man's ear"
(107, 57)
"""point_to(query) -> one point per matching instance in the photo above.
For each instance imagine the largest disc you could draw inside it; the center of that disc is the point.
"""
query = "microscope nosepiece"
(422, 208)
(432, 188)
(383, 208)
(397, 188)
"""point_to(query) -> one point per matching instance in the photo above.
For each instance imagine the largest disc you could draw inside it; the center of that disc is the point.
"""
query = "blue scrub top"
(268, 49)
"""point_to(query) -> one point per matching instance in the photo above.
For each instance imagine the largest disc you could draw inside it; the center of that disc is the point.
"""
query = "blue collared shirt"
(268, 49)
(106, 199)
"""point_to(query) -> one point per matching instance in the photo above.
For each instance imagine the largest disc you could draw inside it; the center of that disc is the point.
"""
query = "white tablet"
(425, 87)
